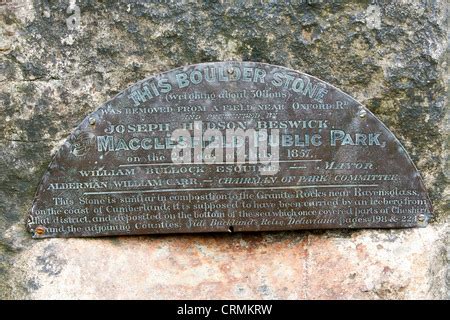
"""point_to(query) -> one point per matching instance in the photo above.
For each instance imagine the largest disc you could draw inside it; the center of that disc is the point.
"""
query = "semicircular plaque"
(228, 146)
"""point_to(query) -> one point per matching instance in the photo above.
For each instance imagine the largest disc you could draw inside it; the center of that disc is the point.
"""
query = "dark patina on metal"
(156, 159)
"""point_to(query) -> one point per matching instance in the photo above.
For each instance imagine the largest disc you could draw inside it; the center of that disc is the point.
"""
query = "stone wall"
(388, 55)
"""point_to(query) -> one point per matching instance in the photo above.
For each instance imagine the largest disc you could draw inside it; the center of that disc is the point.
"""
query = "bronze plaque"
(228, 146)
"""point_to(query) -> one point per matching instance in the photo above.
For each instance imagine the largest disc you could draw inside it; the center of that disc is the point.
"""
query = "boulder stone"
(58, 64)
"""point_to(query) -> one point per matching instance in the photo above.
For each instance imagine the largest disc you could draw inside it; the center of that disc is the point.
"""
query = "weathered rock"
(390, 56)
(408, 264)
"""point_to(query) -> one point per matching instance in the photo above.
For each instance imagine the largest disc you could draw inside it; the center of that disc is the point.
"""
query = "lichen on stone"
(390, 57)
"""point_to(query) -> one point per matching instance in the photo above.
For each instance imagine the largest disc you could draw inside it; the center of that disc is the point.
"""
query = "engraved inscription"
(230, 146)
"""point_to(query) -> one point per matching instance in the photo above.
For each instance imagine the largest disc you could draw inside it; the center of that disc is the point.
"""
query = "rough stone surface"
(331, 265)
(390, 56)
